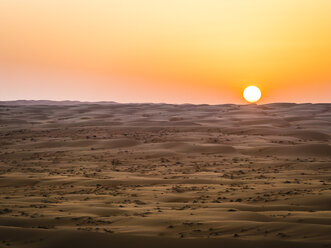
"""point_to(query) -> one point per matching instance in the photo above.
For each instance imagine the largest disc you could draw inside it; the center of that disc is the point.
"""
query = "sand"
(159, 175)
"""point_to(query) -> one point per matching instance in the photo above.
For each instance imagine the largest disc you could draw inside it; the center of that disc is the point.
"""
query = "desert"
(105, 174)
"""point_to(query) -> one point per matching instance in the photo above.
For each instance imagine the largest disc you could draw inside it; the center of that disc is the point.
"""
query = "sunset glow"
(157, 51)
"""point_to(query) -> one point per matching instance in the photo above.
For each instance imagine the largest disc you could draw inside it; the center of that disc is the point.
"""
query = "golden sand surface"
(162, 175)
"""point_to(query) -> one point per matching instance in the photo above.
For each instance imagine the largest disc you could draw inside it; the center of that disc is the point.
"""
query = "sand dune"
(161, 175)
(194, 148)
(312, 150)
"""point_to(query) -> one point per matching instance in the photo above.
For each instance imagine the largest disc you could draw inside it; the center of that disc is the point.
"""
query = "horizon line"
(74, 102)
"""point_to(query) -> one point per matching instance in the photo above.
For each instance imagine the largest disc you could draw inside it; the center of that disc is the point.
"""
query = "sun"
(252, 94)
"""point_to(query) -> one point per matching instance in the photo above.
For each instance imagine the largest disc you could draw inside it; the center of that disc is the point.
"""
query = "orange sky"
(175, 51)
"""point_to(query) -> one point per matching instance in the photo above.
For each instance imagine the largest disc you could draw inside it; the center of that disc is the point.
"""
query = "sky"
(173, 51)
